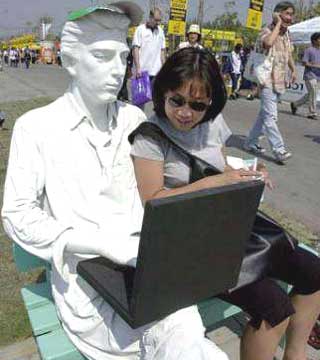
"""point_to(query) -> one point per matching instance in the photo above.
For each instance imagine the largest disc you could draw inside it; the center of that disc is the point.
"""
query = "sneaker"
(250, 97)
(293, 108)
(255, 148)
(282, 156)
(313, 117)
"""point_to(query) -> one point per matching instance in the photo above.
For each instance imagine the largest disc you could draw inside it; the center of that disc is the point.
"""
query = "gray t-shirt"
(312, 55)
(176, 164)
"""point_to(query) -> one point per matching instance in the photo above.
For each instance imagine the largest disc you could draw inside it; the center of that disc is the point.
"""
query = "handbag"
(268, 239)
(259, 66)
(141, 89)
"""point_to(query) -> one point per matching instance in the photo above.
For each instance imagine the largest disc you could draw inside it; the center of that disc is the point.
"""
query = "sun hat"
(194, 28)
(132, 10)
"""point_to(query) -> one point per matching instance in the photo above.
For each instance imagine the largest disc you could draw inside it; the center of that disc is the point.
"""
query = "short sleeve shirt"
(186, 44)
(176, 164)
(312, 55)
(281, 51)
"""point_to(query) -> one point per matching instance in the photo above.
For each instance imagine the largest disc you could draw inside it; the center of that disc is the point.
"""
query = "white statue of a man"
(70, 194)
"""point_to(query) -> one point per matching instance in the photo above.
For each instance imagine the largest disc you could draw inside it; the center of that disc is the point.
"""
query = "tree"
(304, 12)
(227, 21)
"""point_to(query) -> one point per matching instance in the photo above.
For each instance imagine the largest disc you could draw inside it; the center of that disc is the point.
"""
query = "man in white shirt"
(70, 194)
(149, 45)
(236, 71)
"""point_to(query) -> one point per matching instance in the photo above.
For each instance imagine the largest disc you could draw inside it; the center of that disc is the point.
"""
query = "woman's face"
(186, 106)
(193, 37)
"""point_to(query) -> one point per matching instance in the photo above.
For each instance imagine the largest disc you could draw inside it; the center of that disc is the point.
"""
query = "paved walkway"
(297, 183)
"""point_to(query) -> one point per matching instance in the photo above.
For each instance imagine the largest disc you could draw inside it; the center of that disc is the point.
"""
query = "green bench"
(52, 342)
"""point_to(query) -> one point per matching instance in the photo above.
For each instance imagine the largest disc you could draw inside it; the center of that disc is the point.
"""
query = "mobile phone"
(275, 16)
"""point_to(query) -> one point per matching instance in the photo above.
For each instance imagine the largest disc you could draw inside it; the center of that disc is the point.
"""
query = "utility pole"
(200, 13)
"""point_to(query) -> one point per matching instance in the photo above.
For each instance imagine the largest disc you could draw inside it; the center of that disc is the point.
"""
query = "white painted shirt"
(63, 176)
(236, 62)
(150, 44)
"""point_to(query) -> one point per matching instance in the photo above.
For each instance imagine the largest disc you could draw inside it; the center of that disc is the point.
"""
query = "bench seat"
(52, 341)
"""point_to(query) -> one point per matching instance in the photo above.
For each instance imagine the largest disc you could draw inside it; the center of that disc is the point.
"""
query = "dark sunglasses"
(177, 101)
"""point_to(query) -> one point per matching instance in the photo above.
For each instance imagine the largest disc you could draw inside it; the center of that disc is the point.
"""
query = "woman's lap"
(266, 300)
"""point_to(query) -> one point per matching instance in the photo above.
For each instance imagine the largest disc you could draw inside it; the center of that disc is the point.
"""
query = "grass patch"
(14, 323)
(298, 230)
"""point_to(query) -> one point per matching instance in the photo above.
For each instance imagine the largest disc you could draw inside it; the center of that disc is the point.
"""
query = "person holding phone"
(274, 39)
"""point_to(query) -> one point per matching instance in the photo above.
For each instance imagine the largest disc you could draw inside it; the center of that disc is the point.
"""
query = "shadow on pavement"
(314, 138)
(237, 141)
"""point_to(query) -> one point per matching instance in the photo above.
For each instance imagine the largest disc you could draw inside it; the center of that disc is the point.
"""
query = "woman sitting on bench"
(188, 97)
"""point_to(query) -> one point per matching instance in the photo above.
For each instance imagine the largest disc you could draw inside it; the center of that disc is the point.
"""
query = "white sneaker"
(255, 148)
(282, 156)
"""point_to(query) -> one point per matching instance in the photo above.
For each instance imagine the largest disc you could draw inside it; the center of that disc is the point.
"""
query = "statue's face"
(100, 69)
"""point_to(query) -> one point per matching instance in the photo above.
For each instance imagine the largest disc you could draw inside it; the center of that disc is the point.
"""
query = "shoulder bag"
(268, 239)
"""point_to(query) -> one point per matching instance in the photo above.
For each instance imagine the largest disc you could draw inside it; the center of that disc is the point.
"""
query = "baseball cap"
(132, 10)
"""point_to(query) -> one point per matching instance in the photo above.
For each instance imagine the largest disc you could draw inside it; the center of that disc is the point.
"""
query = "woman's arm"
(150, 180)
(269, 40)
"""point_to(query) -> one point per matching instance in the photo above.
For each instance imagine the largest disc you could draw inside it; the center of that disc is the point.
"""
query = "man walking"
(236, 70)
(274, 40)
(311, 61)
(149, 46)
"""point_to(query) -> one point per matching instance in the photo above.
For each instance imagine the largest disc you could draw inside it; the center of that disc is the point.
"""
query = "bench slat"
(36, 295)
(56, 346)
(26, 261)
(44, 319)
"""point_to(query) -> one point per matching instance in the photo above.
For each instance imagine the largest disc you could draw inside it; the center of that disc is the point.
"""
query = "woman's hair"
(314, 37)
(185, 65)
(284, 5)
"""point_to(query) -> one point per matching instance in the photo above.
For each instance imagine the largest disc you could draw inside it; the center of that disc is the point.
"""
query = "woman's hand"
(261, 168)
(232, 177)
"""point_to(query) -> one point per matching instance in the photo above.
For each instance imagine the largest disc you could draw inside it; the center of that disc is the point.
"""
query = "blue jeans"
(266, 122)
(235, 82)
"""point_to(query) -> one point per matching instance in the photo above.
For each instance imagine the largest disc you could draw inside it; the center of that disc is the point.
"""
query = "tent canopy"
(300, 33)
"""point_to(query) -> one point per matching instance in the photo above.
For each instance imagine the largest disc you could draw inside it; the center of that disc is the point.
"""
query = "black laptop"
(191, 248)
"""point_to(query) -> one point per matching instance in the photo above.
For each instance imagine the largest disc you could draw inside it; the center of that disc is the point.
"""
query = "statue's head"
(94, 49)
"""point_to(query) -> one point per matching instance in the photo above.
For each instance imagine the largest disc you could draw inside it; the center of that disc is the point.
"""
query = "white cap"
(194, 28)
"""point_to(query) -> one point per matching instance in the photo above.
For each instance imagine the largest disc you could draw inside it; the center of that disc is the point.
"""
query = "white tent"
(300, 33)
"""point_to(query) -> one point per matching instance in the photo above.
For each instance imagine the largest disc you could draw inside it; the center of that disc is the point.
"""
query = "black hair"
(314, 37)
(284, 5)
(238, 47)
(184, 65)
(153, 11)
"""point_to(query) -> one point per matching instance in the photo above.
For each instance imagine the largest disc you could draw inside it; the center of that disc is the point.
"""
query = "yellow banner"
(256, 5)
(208, 44)
(176, 27)
(254, 19)
(218, 34)
(178, 4)
(131, 31)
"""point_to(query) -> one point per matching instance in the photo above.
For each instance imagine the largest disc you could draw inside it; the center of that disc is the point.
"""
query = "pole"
(200, 12)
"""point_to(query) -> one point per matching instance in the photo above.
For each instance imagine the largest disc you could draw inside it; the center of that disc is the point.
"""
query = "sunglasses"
(177, 101)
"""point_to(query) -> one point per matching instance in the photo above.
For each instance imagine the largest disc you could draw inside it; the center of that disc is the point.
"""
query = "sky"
(14, 14)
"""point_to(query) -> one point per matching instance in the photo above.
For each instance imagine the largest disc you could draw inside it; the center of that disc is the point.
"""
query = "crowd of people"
(86, 196)
(18, 57)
